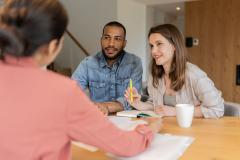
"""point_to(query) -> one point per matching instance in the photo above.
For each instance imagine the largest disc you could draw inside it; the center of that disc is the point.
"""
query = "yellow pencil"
(131, 90)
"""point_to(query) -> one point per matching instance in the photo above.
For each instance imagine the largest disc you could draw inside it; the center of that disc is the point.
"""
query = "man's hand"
(109, 107)
(103, 107)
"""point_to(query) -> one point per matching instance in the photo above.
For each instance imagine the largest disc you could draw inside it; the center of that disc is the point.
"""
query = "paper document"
(136, 113)
(85, 146)
(163, 146)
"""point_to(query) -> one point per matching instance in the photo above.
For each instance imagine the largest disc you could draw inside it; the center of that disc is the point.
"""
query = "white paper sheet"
(85, 146)
(163, 146)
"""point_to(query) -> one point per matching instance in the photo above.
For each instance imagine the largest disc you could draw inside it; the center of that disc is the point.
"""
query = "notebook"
(137, 113)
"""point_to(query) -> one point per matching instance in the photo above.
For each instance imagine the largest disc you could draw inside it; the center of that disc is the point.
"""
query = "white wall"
(159, 17)
(87, 18)
(150, 23)
(133, 15)
(163, 17)
(181, 23)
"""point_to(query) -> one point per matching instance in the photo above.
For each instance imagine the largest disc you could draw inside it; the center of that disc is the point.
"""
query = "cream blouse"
(197, 90)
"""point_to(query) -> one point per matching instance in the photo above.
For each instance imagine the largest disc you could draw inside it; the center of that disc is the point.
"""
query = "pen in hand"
(131, 90)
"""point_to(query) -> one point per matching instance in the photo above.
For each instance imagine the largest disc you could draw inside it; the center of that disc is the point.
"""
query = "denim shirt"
(107, 83)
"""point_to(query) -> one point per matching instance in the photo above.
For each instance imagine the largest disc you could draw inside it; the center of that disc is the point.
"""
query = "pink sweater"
(41, 112)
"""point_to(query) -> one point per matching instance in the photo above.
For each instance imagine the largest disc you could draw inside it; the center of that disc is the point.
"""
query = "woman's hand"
(155, 124)
(135, 96)
(167, 111)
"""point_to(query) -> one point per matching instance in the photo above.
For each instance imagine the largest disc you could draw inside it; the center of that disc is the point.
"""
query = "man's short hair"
(116, 24)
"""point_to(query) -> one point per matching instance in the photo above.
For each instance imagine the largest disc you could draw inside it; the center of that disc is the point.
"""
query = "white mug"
(184, 114)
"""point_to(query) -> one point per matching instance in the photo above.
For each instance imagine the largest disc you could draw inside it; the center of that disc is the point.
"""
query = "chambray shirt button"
(113, 99)
(112, 86)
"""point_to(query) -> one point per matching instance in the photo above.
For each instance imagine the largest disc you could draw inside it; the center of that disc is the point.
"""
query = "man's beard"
(119, 53)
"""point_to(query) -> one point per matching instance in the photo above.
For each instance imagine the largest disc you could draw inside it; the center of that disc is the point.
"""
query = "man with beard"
(106, 75)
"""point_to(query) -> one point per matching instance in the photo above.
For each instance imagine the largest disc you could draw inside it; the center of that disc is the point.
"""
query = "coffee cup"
(184, 114)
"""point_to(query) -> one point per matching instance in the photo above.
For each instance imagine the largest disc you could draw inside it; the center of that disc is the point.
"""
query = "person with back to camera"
(174, 80)
(42, 112)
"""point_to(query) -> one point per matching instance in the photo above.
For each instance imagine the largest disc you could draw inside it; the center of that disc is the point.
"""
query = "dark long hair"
(25, 25)
(178, 66)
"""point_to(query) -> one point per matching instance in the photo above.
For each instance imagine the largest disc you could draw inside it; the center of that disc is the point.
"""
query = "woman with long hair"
(41, 111)
(174, 80)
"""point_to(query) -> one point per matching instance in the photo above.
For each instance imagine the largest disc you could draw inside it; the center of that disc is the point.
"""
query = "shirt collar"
(19, 61)
(103, 61)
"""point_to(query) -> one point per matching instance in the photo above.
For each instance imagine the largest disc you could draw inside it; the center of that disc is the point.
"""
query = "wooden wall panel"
(236, 44)
(216, 23)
